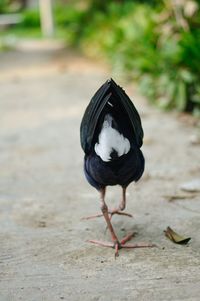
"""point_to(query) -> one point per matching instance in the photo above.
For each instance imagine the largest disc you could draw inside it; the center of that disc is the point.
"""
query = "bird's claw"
(117, 245)
(119, 212)
(110, 212)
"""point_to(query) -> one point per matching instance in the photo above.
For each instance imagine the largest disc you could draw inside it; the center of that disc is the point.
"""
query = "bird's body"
(118, 171)
(113, 154)
(111, 137)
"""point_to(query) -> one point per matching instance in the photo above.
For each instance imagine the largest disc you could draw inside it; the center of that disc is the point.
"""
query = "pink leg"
(118, 211)
(116, 244)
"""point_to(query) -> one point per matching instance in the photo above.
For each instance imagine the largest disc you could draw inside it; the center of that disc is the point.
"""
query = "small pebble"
(192, 186)
(195, 139)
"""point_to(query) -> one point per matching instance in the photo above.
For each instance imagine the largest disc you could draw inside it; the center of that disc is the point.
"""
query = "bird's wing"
(134, 117)
(95, 107)
(91, 115)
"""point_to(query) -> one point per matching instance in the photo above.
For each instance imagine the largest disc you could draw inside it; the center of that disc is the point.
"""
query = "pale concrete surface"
(43, 194)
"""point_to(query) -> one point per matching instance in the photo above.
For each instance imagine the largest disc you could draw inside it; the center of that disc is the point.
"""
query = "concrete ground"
(43, 194)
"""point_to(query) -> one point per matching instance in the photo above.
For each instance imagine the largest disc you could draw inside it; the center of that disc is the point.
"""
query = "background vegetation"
(156, 43)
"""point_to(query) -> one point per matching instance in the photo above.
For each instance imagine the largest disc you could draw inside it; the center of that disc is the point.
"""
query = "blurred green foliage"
(10, 6)
(157, 43)
(31, 19)
(154, 42)
(4, 5)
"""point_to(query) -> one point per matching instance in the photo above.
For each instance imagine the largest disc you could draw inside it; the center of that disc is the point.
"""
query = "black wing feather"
(134, 117)
(91, 116)
(95, 107)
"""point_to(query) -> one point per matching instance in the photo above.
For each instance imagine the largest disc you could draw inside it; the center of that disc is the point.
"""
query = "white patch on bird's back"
(110, 139)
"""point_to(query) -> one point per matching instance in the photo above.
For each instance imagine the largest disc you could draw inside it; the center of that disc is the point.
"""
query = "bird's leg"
(122, 206)
(118, 211)
(116, 244)
(104, 210)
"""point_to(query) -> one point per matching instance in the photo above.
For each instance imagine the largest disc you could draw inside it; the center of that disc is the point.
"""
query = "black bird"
(111, 137)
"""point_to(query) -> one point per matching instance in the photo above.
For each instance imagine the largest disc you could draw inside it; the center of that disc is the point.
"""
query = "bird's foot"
(110, 212)
(119, 212)
(117, 245)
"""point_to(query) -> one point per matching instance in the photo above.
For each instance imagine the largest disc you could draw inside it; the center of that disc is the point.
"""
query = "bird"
(111, 137)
